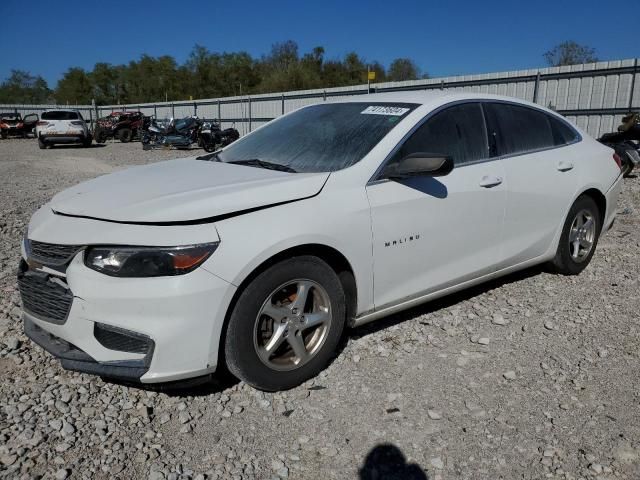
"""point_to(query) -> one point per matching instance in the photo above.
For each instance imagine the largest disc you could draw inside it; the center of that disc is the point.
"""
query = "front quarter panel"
(338, 218)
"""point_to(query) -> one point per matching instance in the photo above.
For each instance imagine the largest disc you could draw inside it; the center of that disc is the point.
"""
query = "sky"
(443, 38)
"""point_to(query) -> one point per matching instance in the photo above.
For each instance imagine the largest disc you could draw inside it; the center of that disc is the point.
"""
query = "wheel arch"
(335, 259)
(601, 201)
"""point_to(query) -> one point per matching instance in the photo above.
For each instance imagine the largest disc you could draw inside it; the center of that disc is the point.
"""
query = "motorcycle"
(173, 133)
(212, 137)
(625, 142)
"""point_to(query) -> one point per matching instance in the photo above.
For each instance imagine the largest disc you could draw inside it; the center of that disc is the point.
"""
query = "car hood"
(184, 191)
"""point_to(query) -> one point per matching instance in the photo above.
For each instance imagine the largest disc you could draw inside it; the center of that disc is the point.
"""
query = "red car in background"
(12, 123)
(122, 125)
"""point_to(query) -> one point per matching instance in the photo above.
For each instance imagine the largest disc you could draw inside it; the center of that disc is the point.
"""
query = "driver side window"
(458, 131)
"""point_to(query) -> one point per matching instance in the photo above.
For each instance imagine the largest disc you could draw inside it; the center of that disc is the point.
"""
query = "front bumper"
(72, 358)
(181, 317)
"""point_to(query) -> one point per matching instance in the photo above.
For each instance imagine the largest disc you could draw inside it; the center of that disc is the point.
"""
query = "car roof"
(74, 110)
(433, 98)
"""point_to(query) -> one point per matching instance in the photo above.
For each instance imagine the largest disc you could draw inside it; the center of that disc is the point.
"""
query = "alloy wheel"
(292, 324)
(582, 235)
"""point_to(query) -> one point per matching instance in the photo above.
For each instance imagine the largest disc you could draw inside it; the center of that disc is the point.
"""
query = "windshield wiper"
(213, 157)
(256, 162)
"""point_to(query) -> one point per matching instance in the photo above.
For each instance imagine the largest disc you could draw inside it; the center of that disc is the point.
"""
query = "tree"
(570, 53)
(22, 87)
(74, 87)
(403, 69)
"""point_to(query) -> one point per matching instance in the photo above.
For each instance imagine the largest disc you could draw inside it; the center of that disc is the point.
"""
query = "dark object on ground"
(625, 142)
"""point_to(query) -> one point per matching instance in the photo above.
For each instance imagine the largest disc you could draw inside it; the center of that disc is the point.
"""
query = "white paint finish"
(183, 190)
(458, 222)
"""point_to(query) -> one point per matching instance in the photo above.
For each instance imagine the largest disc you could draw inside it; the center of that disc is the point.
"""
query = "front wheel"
(41, 144)
(579, 237)
(286, 324)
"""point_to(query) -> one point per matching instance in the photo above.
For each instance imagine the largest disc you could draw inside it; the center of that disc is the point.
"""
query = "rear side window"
(458, 131)
(562, 133)
(517, 129)
(59, 115)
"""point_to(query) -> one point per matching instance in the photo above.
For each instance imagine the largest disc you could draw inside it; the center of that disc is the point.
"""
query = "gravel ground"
(532, 376)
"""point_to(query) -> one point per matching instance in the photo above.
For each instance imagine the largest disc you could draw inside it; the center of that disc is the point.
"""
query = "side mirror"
(420, 164)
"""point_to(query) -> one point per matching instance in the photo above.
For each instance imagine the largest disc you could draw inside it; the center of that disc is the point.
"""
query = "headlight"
(147, 261)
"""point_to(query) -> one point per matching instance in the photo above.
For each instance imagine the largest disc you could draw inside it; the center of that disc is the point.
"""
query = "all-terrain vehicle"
(12, 123)
(125, 126)
(626, 142)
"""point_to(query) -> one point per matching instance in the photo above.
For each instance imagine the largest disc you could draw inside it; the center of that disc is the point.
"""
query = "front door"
(431, 233)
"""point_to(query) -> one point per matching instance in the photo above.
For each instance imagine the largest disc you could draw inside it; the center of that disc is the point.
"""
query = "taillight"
(42, 124)
(618, 160)
(77, 122)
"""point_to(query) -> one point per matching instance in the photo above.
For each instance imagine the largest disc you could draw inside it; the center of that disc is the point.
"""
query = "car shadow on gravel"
(386, 461)
(197, 387)
(444, 302)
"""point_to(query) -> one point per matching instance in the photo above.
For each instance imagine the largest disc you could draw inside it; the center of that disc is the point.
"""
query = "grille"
(48, 252)
(115, 338)
(43, 298)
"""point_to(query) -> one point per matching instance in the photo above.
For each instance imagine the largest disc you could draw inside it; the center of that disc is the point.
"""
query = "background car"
(62, 126)
(12, 123)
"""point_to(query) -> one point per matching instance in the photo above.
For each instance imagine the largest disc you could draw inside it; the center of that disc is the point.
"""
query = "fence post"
(324, 95)
(249, 101)
(282, 104)
(441, 84)
(155, 111)
(219, 113)
(195, 109)
(535, 88)
(633, 83)
(173, 110)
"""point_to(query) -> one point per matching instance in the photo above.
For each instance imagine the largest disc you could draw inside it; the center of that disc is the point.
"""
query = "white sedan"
(258, 256)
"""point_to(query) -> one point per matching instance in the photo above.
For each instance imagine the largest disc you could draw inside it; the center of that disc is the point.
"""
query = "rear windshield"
(320, 138)
(9, 115)
(60, 115)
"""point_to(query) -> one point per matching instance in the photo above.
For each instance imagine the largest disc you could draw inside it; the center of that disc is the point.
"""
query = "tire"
(125, 135)
(100, 136)
(566, 261)
(4, 134)
(86, 143)
(41, 144)
(250, 330)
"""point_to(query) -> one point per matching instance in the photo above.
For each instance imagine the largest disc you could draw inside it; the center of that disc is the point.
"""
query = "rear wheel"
(286, 324)
(125, 135)
(87, 141)
(41, 144)
(4, 134)
(579, 237)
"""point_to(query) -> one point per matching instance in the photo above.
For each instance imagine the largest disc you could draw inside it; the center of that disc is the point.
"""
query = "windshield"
(59, 115)
(320, 138)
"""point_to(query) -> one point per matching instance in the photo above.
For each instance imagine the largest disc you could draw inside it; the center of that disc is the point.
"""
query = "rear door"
(541, 176)
(430, 233)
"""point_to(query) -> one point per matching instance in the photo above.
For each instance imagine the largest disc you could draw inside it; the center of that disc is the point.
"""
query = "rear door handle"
(489, 181)
(564, 166)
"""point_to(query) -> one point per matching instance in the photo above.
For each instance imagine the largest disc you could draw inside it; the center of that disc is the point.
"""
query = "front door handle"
(489, 181)
(564, 166)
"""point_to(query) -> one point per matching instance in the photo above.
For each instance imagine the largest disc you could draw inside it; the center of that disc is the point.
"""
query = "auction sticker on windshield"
(384, 110)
